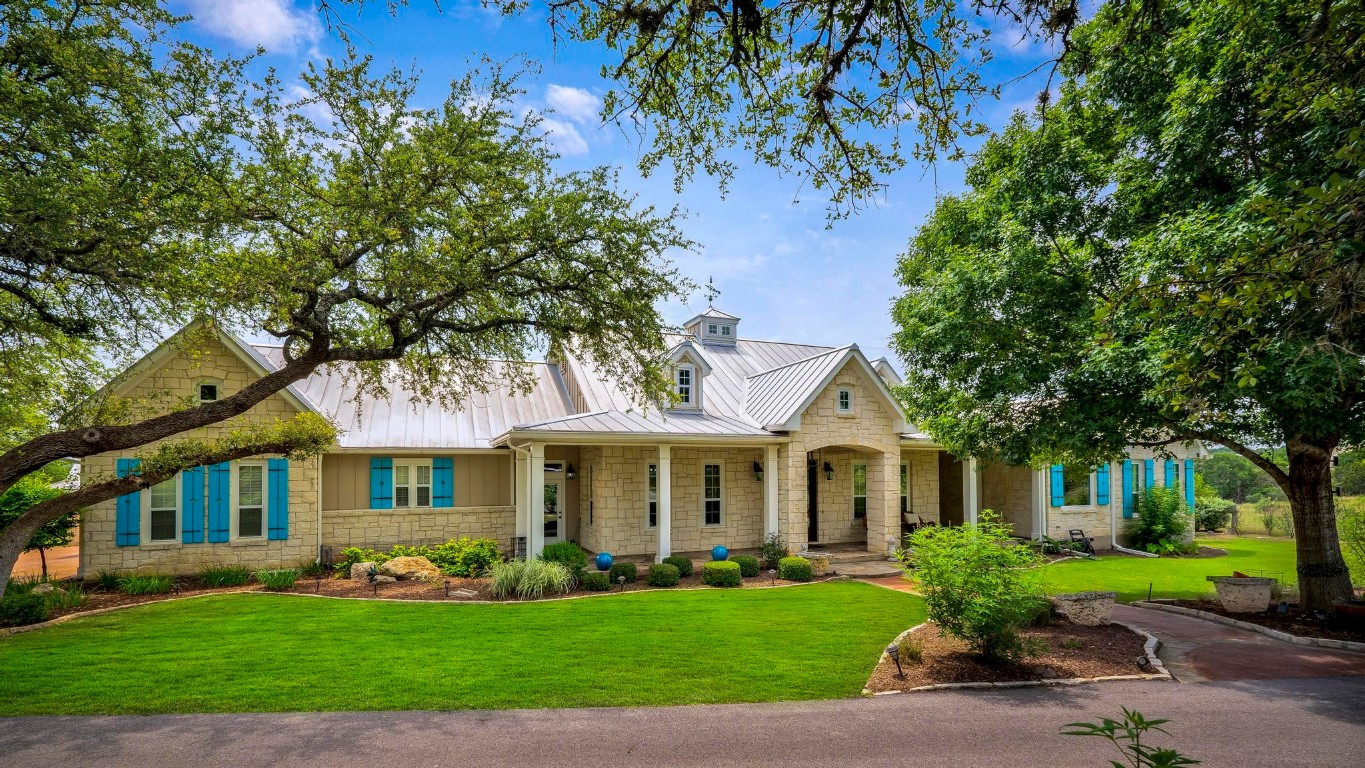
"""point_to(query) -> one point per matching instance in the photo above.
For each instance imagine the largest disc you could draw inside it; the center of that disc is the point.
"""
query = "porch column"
(665, 504)
(535, 539)
(971, 500)
(521, 491)
(770, 490)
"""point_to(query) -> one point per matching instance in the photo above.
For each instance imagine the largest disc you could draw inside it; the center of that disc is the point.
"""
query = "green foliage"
(683, 564)
(225, 576)
(108, 580)
(910, 651)
(68, 595)
(748, 565)
(22, 608)
(32, 490)
(979, 586)
(774, 548)
(1233, 476)
(567, 554)
(1350, 475)
(1160, 522)
(1212, 513)
(312, 569)
(794, 569)
(276, 580)
(596, 581)
(1271, 514)
(1351, 528)
(529, 579)
(1126, 736)
(662, 575)
(150, 584)
(352, 555)
(721, 573)
(466, 557)
(623, 569)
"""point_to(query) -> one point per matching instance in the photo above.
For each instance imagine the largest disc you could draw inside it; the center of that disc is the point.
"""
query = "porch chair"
(1082, 542)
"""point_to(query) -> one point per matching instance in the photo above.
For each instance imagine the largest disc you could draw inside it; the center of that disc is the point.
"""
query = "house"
(765, 437)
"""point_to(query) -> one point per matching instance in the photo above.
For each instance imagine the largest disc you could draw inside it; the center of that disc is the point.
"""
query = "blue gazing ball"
(719, 552)
(603, 561)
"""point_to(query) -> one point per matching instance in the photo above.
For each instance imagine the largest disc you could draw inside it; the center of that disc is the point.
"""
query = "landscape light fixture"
(447, 587)
(622, 581)
(758, 471)
(317, 583)
(894, 651)
(772, 575)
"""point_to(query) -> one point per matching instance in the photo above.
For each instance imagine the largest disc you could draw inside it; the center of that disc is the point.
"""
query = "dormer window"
(725, 330)
(686, 381)
(711, 328)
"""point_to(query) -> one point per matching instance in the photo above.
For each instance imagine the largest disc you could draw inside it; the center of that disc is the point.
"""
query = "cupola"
(714, 327)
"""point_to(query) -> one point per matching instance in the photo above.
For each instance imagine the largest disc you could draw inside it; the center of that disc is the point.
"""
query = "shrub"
(312, 569)
(108, 580)
(1212, 513)
(795, 569)
(748, 565)
(70, 596)
(225, 576)
(1161, 521)
(662, 575)
(910, 651)
(153, 584)
(1351, 529)
(596, 581)
(352, 555)
(283, 578)
(567, 554)
(977, 587)
(623, 569)
(529, 579)
(683, 564)
(22, 608)
(772, 551)
(465, 557)
(721, 573)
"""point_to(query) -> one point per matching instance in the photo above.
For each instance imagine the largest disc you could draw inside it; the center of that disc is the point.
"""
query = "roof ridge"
(767, 371)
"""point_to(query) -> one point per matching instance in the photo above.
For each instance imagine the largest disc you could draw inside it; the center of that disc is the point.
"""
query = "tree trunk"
(42, 558)
(15, 538)
(1322, 572)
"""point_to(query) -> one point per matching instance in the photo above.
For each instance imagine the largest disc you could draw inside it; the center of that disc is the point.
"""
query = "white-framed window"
(845, 400)
(711, 489)
(653, 496)
(248, 496)
(1075, 486)
(859, 491)
(685, 380)
(208, 391)
(711, 328)
(905, 488)
(725, 330)
(411, 483)
(163, 511)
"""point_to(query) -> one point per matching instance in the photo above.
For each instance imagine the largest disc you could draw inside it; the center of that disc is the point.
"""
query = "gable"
(871, 402)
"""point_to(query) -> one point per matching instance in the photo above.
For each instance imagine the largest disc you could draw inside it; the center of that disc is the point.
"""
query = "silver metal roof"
(775, 396)
(639, 422)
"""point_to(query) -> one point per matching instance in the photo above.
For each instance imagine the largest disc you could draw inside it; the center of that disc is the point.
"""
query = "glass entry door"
(554, 512)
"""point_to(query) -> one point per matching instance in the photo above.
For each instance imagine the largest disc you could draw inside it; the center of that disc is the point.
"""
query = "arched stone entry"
(843, 494)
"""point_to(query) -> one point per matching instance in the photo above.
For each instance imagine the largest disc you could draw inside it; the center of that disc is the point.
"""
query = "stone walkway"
(1196, 651)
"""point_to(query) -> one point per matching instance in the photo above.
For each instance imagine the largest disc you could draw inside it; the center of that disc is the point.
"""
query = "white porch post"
(521, 489)
(665, 503)
(770, 490)
(971, 500)
(535, 540)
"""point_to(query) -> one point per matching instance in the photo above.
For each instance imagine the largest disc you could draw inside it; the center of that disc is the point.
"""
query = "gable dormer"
(714, 327)
(688, 370)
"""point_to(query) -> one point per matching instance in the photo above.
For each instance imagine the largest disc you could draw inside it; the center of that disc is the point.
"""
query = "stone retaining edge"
(1319, 642)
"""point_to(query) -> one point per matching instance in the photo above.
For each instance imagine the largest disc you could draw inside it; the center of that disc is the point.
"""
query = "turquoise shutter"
(1102, 484)
(128, 519)
(1189, 483)
(1169, 470)
(1127, 488)
(443, 482)
(1148, 473)
(277, 499)
(220, 502)
(1058, 490)
(192, 506)
(381, 483)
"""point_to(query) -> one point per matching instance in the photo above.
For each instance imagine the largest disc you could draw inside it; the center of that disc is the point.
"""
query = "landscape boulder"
(361, 571)
(406, 568)
(1088, 609)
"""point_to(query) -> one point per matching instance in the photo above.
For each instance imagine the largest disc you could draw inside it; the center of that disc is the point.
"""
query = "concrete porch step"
(844, 555)
(865, 569)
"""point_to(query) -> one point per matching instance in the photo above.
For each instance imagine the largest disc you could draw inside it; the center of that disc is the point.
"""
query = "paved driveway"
(1238, 725)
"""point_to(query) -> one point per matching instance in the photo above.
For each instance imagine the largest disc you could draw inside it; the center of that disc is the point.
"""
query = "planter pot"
(1088, 609)
(1243, 594)
(819, 564)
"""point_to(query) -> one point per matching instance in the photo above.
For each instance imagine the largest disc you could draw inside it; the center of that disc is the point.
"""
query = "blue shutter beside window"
(1102, 484)
(277, 499)
(220, 502)
(381, 483)
(1127, 488)
(1169, 471)
(128, 519)
(443, 482)
(1148, 474)
(192, 506)
(1058, 488)
(1189, 483)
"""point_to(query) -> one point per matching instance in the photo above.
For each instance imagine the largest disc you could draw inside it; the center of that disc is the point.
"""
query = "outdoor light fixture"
(317, 583)
(829, 471)
(758, 471)
(622, 581)
(772, 575)
(569, 472)
(447, 587)
(894, 651)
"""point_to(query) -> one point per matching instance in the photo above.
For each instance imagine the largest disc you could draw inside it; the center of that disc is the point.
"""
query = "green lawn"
(270, 653)
(1172, 577)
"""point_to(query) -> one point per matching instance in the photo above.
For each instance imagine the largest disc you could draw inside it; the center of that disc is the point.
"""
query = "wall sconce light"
(829, 471)
(569, 472)
(758, 471)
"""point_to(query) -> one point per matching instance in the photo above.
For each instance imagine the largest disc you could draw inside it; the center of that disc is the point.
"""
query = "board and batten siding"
(481, 480)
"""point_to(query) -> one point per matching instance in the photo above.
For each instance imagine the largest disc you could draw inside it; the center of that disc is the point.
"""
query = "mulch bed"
(97, 598)
(1103, 651)
(1295, 621)
(1202, 553)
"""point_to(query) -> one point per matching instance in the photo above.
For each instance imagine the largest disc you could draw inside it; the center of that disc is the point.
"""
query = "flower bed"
(1294, 621)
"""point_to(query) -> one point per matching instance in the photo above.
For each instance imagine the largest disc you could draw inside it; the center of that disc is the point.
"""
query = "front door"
(812, 502)
(554, 513)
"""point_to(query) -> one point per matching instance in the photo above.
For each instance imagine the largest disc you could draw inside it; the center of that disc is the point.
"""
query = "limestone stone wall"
(923, 478)
(1093, 520)
(1009, 492)
(382, 528)
(159, 391)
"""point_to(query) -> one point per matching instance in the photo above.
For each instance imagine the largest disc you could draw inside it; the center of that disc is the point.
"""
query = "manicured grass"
(270, 653)
(1172, 577)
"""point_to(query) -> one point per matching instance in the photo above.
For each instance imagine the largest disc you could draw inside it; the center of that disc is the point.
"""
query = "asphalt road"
(1280, 723)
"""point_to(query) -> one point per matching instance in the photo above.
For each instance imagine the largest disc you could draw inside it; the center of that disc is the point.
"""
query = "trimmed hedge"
(794, 569)
(623, 569)
(17, 609)
(662, 575)
(596, 581)
(748, 565)
(721, 573)
(683, 564)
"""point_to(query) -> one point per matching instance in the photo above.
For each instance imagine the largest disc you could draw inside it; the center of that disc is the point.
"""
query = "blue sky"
(770, 254)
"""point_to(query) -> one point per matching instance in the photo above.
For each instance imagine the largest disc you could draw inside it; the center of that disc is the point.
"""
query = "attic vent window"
(208, 393)
(725, 330)
(845, 401)
(711, 328)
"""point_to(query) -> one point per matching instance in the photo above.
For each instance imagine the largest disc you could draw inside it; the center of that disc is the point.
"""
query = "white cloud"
(272, 24)
(575, 104)
(564, 136)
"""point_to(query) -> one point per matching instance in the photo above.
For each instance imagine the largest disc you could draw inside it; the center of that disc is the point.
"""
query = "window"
(1075, 486)
(653, 496)
(725, 330)
(163, 513)
(711, 495)
(845, 401)
(208, 393)
(250, 501)
(711, 329)
(859, 491)
(412, 484)
(684, 388)
(905, 488)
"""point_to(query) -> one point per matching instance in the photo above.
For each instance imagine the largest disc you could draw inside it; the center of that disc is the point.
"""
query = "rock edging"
(1318, 642)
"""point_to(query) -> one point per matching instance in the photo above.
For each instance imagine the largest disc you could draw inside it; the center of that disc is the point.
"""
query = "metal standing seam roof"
(639, 422)
(775, 396)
